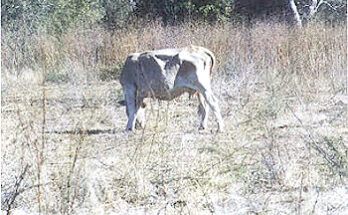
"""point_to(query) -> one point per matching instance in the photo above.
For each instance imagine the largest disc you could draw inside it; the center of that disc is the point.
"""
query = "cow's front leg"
(130, 95)
(141, 115)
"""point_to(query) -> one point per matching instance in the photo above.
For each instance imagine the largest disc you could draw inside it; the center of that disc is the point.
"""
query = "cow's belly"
(164, 92)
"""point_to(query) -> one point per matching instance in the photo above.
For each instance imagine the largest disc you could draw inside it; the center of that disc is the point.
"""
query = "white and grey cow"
(166, 74)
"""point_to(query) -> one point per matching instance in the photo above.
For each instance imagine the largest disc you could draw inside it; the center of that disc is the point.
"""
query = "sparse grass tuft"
(334, 153)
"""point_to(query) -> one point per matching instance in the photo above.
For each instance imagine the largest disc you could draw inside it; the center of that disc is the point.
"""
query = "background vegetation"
(282, 90)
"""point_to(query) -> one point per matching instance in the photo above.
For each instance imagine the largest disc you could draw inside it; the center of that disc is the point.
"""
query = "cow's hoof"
(202, 128)
(139, 126)
(221, 130)
(128, 130)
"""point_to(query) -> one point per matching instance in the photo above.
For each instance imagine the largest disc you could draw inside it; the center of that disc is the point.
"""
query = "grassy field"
(283, 94)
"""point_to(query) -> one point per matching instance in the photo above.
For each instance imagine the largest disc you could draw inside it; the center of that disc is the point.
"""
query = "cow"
(166, 74)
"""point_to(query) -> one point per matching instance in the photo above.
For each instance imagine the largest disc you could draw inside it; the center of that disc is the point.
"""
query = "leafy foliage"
(52, 16)
(117, 12)
(180, 10)
(56, 16)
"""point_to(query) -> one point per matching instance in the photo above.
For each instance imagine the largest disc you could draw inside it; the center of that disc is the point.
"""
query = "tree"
(53, 16)
(329, 10)
(297, 12)
(177, 11)
(117, 12)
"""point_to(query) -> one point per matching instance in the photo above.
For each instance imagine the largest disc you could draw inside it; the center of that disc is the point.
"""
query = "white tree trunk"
(313, 8)
(296, 15)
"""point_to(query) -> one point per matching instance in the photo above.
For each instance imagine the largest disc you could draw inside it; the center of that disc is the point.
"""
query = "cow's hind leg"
(213, 104)
(203, 86)
(203, 111)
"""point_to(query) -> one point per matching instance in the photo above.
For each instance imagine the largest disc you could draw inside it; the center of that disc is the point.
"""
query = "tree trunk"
(296, 15)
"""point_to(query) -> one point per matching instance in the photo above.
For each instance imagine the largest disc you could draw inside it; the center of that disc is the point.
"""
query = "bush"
(51, 16)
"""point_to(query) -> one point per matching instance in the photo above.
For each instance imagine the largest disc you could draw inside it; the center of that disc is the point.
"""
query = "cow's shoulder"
(129, 69)
(158, 58)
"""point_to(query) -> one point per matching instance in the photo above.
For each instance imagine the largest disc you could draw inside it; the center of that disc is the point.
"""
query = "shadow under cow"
(86, 132)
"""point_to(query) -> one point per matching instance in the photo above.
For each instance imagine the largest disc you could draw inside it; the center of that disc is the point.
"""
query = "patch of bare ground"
(280, 153)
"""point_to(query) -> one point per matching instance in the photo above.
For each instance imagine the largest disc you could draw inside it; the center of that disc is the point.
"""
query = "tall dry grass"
(313, 51)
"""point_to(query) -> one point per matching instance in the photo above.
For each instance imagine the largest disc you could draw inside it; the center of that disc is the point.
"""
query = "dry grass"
(282, 95)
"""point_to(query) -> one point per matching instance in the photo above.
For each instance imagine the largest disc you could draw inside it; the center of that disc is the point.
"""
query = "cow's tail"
(207, 52)
(213, 60)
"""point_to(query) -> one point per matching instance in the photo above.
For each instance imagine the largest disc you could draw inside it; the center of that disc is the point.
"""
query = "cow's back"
(205, 53)
(155, 73)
